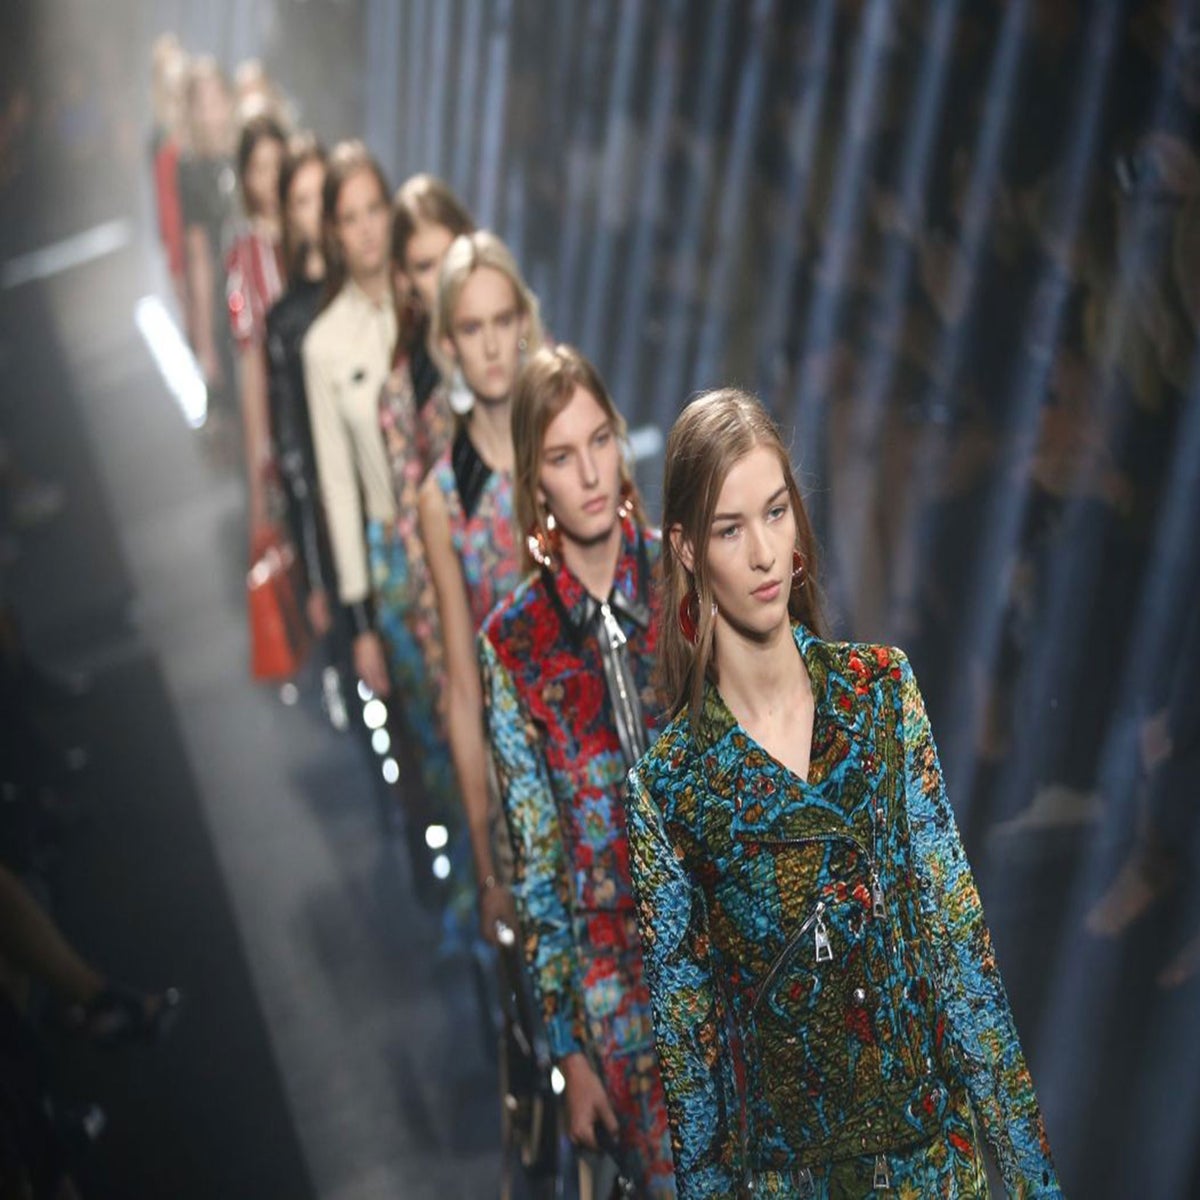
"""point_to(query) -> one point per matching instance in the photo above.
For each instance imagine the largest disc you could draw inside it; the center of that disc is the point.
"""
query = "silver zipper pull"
(878, 908)
(883, 1177)
(824, 950)
(616, 635)
(805, 1184)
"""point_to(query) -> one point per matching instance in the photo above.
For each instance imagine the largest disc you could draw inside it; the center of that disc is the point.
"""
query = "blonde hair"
(713, 432)
(468, 253)
(544, 388)
(202, 71)
(169, 79)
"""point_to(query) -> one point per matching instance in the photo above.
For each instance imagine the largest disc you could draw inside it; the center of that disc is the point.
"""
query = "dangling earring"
(689, 616)
(625, 507)
(461, 398)
(544, 543)
(522, 351)
(799, 571)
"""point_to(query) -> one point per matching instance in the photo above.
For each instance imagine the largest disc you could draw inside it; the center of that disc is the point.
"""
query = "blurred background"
(956, 249)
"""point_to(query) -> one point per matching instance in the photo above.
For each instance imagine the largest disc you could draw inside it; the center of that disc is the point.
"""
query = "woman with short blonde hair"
(486, 323)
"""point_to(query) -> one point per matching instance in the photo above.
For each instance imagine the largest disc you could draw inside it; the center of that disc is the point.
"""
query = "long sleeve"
(689, 1025)
(539, 866)
(981, 1029)
(289, 413)
(334, 453)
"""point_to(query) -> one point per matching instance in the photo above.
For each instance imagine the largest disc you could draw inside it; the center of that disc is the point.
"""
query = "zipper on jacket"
(626, 707)
(883, 1174)
(878, 897)
(823, 950)
(878, 903)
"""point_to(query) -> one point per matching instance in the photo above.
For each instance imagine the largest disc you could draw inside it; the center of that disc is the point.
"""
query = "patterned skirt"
(406, 615)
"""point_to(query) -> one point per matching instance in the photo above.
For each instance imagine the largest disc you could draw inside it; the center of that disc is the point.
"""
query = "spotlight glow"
(441, 866)
(174, 358)
(391, 770)
(557, 1082)
(374, 714)
(436, 836)
(381, 741)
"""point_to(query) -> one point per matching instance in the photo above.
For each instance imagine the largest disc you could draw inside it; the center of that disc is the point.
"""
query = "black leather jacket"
(291, 433)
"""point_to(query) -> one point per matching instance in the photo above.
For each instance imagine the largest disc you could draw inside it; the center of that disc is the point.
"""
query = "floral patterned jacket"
(562, 773)
(820, 970)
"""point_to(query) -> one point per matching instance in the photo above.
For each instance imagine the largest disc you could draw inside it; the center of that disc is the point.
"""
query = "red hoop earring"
(799, 570)
(689, 617)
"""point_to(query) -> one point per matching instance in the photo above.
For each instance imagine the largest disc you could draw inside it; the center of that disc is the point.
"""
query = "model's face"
(361, 222)
(304, 203)
(423, 259)
(750, 543)
(485, 332)
(212, 111)
(262, 177)
(580, 477)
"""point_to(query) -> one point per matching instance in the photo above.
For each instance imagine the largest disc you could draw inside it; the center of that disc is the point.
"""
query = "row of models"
(758, 952)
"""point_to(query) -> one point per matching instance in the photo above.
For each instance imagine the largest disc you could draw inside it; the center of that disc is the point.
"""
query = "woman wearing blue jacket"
(829, 1015)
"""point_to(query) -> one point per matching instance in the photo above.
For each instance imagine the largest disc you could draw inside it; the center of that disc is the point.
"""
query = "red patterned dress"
(253, 282)
(560, 670)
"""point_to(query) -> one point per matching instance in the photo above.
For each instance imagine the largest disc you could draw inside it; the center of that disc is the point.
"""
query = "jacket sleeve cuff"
(361, 615)
(560, 1037)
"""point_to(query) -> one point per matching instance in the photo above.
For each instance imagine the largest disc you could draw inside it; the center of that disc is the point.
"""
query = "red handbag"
(279, 639)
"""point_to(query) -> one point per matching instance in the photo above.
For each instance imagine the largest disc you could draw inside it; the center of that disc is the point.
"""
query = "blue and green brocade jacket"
(820, 970)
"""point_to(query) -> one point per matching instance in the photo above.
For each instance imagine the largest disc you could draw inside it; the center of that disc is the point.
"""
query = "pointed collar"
(630, 593)
(835, 701)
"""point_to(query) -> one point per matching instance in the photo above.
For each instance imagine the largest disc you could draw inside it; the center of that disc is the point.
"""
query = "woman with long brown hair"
(301, 180)
(347, 354)
(828, 1011)
(567, 664)
(417, 424)
(254, 278)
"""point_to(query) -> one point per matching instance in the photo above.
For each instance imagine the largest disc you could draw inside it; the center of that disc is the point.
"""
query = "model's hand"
(587, 1102)
(495, 904)
(320, 620)
(370, 663)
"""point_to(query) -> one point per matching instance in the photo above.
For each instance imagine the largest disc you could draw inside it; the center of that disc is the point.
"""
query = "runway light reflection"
(174, 359)
(374, 714)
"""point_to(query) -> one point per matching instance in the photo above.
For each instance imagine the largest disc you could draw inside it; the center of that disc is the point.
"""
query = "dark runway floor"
(231, 845)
